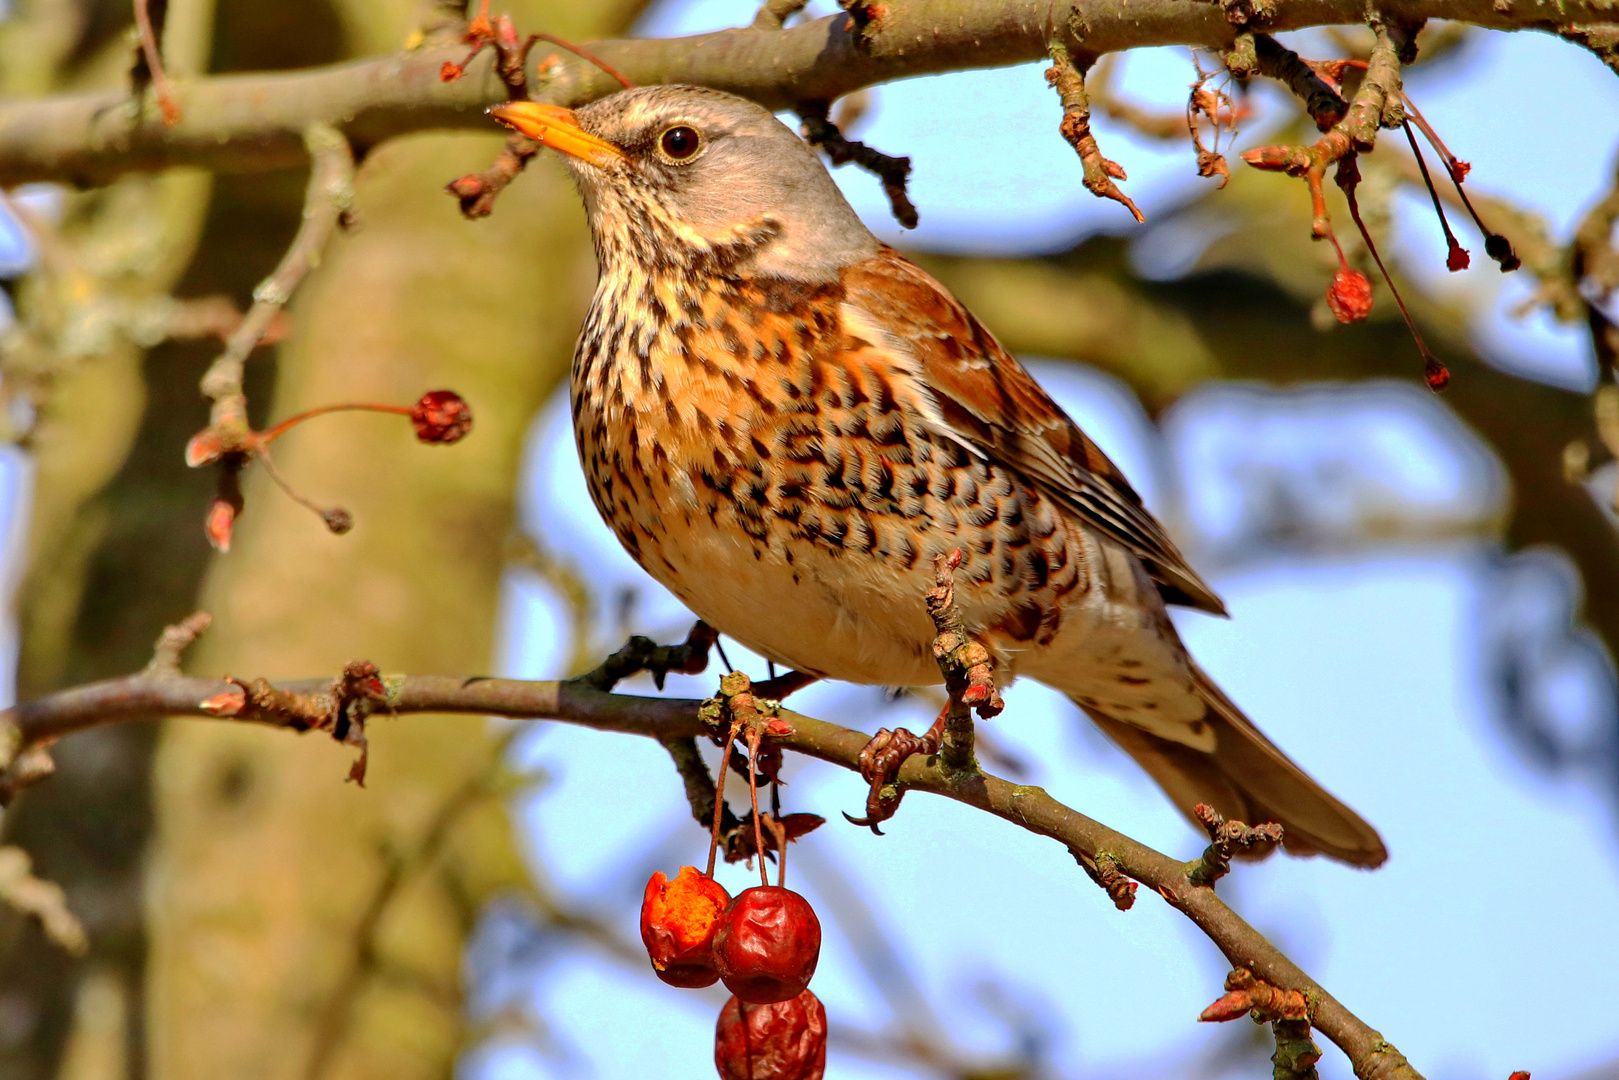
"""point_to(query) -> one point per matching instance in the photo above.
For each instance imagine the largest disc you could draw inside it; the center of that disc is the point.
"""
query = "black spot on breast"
(885, 429)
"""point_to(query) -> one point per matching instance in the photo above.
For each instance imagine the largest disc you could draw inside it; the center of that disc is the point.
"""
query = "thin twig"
(1068, 79)
(327, 198)
(42, 900)
(773, 14)
(894, 172)
(968, 670)
(1276, 61)
(154, 65)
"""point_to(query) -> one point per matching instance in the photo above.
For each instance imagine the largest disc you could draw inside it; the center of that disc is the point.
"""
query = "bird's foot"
(881, 761)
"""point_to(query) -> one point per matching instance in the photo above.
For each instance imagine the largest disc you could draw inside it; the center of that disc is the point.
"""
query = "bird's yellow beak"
(558, 128)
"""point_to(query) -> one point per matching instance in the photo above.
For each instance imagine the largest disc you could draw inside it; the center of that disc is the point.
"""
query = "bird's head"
(668, 173)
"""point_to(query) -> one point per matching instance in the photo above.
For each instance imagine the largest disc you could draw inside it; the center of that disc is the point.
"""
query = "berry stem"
(337, 519)
(779, 832)
(1450, 238)
(1434, 372)
(1496, 246)
(591, 57)
(265, 438)
(719, 798)
(1453, 164)
(753, 796)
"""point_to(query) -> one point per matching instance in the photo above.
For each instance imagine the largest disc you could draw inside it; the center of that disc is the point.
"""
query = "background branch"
(255, 122)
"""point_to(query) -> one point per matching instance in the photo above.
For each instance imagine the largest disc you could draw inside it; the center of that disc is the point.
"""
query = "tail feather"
(1248, 778)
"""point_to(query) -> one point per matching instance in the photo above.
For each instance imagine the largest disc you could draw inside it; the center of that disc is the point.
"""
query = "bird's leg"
(969, 679)
(881, 761)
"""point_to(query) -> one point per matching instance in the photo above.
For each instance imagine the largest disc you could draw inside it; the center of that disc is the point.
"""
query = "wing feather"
(987, 399)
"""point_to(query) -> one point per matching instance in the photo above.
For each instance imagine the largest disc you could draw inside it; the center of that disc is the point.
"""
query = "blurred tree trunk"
(95, 584)
(296, 930)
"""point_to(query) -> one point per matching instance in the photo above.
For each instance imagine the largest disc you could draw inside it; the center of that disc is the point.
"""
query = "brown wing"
(988, 399)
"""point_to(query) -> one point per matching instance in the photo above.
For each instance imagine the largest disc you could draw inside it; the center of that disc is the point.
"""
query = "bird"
(785, 422)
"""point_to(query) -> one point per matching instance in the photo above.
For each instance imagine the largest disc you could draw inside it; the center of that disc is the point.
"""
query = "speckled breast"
(780, 477)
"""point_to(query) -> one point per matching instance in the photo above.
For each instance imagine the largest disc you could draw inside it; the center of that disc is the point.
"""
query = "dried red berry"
(678, 920)
(1458, 258)
(1436, 374)
(767, 944)
(441, 416)
(1350, 295)
(781, 1041)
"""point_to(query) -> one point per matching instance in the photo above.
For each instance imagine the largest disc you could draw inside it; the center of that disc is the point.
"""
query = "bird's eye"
(679, 143)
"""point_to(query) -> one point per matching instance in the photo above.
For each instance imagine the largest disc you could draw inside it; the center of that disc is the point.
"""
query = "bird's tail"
(1247, 778)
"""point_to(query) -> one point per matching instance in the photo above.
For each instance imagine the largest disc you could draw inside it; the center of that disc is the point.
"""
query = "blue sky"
(1489, 941)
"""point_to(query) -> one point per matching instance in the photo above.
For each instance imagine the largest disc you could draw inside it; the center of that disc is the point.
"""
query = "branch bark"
(576, 701)
(245, 123)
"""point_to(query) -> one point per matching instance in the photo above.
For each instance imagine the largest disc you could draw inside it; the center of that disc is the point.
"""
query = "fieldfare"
(784, 421)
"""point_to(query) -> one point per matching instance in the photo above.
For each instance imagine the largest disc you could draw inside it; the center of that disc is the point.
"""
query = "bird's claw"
(880, 763)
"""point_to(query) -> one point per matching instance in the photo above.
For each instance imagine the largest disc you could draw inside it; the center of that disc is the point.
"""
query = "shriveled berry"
(338, 520)
(441, 416)
(678, 920)
(1350, 295)
(1499, 248)
(767, 944)
(785, 1040)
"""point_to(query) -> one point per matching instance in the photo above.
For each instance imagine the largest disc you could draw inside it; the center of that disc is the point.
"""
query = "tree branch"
(326, 200)
(159, 692)
(244, 123)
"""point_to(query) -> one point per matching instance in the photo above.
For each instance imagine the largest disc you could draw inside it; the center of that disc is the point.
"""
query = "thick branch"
(146, 695)
(245, 123)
